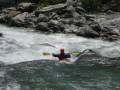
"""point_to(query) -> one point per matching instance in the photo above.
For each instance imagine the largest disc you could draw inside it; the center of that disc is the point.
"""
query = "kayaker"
(62, 55)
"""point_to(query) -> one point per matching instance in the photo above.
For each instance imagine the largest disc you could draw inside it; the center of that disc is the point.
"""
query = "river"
(20, 45)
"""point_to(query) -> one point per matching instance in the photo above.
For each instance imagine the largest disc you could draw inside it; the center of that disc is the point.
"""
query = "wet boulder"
(111, 34)
(86, 31)
(1, 34)
(42, 26)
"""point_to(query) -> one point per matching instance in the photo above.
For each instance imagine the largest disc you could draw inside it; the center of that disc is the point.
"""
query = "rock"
(110, 34)
(89, 17)
(13, 13)
(71, 28)
(19, 20)
(80, 10)
(87, 31)
(26, 7)
(2, 19)
(1, 34)
(54, 16)
(42, 26)
(42, 18)
(79, 21)
(56, 26)
(7, 10)
(69, 12)
(95, 26)
(109, 12)
(67, 21)
(51, 8)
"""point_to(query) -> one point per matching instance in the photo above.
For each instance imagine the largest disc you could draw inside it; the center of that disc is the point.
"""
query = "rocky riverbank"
(69, 18)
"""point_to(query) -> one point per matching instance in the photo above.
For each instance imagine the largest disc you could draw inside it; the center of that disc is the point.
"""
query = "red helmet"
(62, 50)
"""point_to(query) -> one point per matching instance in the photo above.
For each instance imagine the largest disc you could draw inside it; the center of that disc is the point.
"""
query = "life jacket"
(62, 55)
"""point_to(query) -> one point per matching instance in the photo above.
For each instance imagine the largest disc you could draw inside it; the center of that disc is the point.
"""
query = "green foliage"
(92, 5)
(46, 2)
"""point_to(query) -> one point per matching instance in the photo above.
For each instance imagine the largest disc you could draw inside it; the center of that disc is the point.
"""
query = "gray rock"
(71, 28)
(56, 26)
(79, 21)
(89, 17)
(110, 34)
(80, 10)
(26, 7)
(19, 20)
(1, 34)
(51, 8)
(87, 31)
(95, 26)
(42, 26)
(67, 21)
(42, 18)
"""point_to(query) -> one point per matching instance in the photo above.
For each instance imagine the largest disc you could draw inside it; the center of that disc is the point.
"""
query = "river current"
(21, 45)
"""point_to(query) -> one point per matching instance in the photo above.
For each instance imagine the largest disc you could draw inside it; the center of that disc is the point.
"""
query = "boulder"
(42, 18)
(79, 9)
(95, 26)
(56, 26)
(79, 21)
(1, 34)
(26, 7)
(19, 20)
(87, 31)
(71, 28)
(111, 34)
(67, 21)
(51, 8)
(89, 17)
(42, 26)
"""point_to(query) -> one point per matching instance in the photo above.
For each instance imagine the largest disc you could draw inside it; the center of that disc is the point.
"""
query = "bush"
(92, 5)
(45, 1)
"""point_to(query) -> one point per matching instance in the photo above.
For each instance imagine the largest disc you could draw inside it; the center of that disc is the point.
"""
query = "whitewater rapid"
(21, 44)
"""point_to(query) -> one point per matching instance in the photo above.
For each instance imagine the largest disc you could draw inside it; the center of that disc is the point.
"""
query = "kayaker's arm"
(55, 55)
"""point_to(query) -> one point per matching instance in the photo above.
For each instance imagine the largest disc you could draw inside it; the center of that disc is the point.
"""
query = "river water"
(20, 45)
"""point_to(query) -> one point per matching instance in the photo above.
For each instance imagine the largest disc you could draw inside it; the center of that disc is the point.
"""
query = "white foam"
(30, 45)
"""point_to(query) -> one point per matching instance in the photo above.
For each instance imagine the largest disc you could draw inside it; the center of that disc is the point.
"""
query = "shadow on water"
(47, 75)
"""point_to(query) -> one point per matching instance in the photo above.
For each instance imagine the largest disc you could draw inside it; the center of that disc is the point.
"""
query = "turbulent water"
(19, 45)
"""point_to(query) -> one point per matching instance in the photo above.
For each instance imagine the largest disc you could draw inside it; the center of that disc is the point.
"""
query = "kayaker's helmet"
(61, 50)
